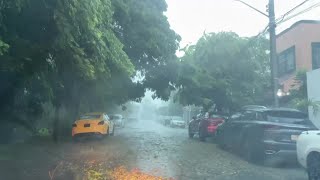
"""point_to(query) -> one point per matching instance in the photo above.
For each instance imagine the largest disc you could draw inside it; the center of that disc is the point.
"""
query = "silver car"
(118, 120)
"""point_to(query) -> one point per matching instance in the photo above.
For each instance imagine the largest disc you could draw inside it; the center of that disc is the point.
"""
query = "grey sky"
(190, 18)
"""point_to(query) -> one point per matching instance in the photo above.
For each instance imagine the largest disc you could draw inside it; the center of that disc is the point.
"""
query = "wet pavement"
(147, 145)
(169, 152)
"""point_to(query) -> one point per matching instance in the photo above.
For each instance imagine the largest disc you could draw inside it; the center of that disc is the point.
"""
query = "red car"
(205, 127)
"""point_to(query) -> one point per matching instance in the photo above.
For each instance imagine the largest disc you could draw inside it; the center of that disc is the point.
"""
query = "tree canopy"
(225, 70)
(82, 55)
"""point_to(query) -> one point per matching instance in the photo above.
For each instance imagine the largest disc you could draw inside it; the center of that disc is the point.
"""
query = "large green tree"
(82, 55)
(225, 70)
(149, 42)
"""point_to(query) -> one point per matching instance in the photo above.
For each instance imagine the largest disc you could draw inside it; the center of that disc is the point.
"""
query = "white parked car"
(118, 120)
(308, 151)
(177, 121)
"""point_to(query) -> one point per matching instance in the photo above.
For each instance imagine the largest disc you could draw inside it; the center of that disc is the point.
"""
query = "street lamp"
(280, 93)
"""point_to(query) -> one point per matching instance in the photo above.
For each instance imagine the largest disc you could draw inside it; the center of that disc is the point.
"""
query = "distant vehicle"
(132, 119)
(166, 120)
(204, 127)
(308, 152)
(118, 120)
(177, 121)
(97, 124)
(264, 135)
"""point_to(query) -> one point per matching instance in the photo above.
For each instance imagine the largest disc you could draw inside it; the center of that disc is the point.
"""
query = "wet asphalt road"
(169, 152)
(147, 145)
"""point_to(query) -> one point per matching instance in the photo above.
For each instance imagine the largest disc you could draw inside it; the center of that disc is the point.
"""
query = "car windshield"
(87, 117)
(159, 89)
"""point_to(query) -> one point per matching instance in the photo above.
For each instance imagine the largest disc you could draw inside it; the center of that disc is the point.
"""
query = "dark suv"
(264, 135)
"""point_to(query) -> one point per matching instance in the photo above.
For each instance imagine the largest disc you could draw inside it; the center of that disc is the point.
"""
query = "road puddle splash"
(121, 173)
(95, 170)
(135, 174)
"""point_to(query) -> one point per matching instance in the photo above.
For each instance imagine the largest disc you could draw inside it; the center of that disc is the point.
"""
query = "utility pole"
(273, 52)
(273, 48)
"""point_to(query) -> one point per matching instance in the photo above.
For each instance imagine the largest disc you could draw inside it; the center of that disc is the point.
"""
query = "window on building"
(286, 61)
(315, 55)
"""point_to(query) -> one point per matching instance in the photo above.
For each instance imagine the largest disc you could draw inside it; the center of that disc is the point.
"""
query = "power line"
(283, 19)
(263, 32)
(299, 13)
(290, 11)
(253, 8)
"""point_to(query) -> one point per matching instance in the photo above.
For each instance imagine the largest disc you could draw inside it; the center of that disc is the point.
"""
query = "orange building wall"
(301, 36)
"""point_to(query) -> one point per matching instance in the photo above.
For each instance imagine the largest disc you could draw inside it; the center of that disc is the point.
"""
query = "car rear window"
(289, 117)
(215, 116)
(84, 117)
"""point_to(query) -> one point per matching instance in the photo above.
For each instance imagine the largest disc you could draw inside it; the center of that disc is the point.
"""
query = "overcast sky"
(191, 18)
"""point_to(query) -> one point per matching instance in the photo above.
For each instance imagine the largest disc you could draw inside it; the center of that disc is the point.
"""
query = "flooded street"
(149, 146)
(169, 152)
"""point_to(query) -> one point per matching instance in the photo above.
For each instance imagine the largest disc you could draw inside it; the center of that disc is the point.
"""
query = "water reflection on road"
(169, 152)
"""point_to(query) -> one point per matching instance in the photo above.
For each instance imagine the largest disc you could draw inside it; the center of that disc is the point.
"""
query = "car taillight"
(74, 125)
(101, 123)
(271, 132)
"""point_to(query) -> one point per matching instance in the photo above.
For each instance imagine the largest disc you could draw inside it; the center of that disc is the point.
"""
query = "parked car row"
(173, 121)
(204, 126)
(265, 136)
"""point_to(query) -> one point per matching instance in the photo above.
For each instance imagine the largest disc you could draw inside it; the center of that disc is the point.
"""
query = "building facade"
(313, 81)
(298, 48)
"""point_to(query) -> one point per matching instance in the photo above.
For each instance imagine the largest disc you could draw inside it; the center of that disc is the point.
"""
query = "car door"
(227, 130)
(240, 125)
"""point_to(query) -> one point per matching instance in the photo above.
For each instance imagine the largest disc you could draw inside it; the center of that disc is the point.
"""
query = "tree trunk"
(55, 132)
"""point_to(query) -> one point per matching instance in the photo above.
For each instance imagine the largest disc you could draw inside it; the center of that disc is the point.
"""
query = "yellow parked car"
(97, 124)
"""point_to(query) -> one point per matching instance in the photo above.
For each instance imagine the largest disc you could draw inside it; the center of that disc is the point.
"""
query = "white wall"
(313, 80)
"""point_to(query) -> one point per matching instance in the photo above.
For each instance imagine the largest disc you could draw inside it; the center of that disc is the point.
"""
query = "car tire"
(313, 166)
(190, 133)
(202, 134)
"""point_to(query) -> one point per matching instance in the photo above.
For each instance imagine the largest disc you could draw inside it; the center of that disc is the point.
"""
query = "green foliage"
(43, 132)
(224, 70)
(149, 42)
(299, 93)
(3, 47)
(81, 55)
